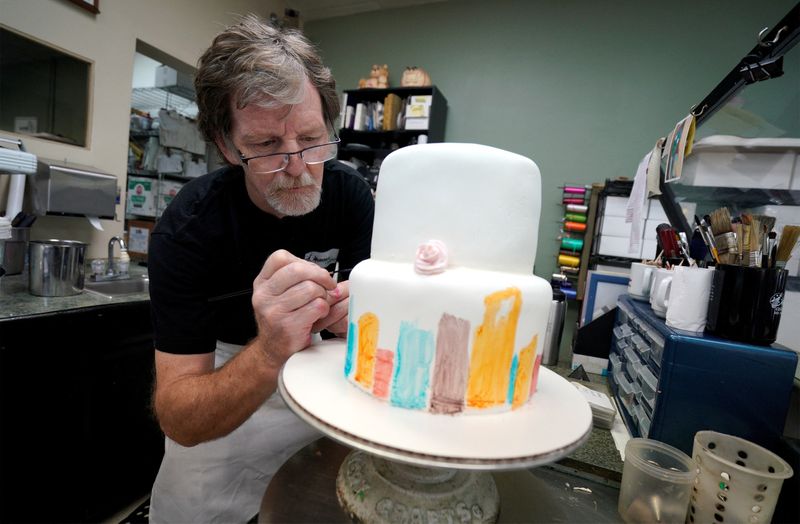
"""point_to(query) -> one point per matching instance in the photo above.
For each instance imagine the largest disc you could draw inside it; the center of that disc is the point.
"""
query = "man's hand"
(336, 320)
(290, 296)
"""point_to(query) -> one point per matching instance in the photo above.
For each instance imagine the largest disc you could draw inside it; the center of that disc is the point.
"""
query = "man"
(280, 217)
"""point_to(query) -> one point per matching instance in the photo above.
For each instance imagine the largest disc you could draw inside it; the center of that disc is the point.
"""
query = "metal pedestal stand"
(372, 489)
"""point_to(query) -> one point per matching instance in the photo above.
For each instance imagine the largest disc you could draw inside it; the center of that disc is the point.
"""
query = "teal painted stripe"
(352, 334)
(415, 351)
(513, 380)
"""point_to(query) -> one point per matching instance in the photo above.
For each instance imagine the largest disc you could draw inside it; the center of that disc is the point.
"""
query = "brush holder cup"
(737, 481)
(745, 303)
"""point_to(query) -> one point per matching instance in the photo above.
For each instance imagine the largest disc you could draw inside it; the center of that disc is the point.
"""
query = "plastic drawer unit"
(672, 384)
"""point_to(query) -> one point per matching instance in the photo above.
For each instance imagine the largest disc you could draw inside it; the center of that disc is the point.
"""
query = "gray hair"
(253, 62)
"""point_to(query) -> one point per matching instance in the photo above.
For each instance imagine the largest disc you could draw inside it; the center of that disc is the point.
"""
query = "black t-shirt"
(212, 240)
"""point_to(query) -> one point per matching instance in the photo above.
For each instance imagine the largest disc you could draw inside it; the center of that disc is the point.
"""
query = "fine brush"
(756, 239)
(768, 257)
(744, 240)
(705, 233)
(250, 290)
(787, 242)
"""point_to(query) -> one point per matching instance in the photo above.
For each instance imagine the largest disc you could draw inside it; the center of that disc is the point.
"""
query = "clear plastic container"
(630, 355)
(625, 387)
(656, 482)
(738, 481)
(656, 348)
(649, 384)
(615, 362)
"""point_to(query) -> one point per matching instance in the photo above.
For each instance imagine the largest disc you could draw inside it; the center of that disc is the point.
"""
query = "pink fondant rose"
(431, 258)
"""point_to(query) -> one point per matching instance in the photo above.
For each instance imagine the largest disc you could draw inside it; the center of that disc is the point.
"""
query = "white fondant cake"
(447, 316)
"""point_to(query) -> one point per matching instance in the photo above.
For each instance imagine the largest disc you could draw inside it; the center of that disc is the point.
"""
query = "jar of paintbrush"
(749, 283)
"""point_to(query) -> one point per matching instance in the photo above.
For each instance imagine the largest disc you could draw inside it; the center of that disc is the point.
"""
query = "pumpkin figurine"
(415, 77)
(378, 77)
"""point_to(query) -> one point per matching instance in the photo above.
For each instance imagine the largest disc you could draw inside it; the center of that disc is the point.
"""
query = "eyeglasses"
(273, 162)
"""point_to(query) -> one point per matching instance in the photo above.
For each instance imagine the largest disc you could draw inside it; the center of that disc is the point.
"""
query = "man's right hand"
(289, 296)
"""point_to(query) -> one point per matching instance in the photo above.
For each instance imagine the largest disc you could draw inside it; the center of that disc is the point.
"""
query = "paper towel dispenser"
(71, 190)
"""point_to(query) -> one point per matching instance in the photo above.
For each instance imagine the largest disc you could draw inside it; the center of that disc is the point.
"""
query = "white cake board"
(554, 423)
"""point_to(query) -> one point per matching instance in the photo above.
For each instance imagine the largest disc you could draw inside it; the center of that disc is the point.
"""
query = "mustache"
(292, 182)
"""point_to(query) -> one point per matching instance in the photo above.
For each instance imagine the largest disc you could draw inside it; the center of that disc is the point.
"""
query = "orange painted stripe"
(522, 385)
(384, 363)
(535, 373)
(493, 350)
(367, 346)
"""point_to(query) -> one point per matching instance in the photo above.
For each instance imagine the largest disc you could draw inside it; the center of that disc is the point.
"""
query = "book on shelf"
(391, 108)
(367, 116)
(417, 112)
(360, 118)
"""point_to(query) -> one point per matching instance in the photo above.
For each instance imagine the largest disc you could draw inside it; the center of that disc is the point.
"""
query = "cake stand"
(419, 466)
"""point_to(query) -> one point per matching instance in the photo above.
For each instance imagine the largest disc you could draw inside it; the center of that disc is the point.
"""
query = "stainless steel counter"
(17, 302)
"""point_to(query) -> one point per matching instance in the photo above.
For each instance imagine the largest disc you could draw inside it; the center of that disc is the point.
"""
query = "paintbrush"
(708, 240)
(789, 237)
(720, 221)
(768, 257)
(250, 290)
(738, 231)
(756, 239)
(767, 222)
(744, 242)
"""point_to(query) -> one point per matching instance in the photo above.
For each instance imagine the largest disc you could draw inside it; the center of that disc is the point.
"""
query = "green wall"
(582, 87)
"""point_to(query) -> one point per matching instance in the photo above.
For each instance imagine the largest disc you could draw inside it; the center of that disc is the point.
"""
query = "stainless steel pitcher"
(56, 267)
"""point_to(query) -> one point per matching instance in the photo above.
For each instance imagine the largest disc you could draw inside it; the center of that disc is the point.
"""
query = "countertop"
(16, 302)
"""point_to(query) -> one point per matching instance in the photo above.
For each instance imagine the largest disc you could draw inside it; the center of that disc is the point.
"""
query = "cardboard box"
(167, 191)
(141, 196)
(615, 206)
(617, 247)
(168, 77)
(139, 238)
(650, 226)
(649, 249)
(615, 226)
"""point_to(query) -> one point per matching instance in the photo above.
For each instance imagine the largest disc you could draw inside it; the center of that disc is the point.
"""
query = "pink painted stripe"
(384, 362)
(536, 364)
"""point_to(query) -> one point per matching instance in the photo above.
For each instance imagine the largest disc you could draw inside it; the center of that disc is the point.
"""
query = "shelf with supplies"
(164, 153)
(375, 122)
(745, 156)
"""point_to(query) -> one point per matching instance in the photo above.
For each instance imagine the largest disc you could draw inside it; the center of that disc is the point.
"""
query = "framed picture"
(602, 290)
(92, 6)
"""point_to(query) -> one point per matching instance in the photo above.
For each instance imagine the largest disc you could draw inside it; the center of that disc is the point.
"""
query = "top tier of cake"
(483, 203)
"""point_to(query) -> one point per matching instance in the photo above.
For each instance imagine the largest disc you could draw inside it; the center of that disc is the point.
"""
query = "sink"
(115, 288)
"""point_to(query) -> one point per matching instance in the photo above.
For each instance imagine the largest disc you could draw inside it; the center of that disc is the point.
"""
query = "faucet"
(116, 272)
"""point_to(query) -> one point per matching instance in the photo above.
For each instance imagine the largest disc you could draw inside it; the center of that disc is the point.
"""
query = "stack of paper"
(603, 411)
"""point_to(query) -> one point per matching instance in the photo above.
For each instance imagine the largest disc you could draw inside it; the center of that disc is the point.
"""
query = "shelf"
(143, 172)
(738, 197)
(143, 134)
(151, 99)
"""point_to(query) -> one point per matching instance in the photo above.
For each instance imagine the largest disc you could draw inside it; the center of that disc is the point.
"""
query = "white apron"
(224, 480)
